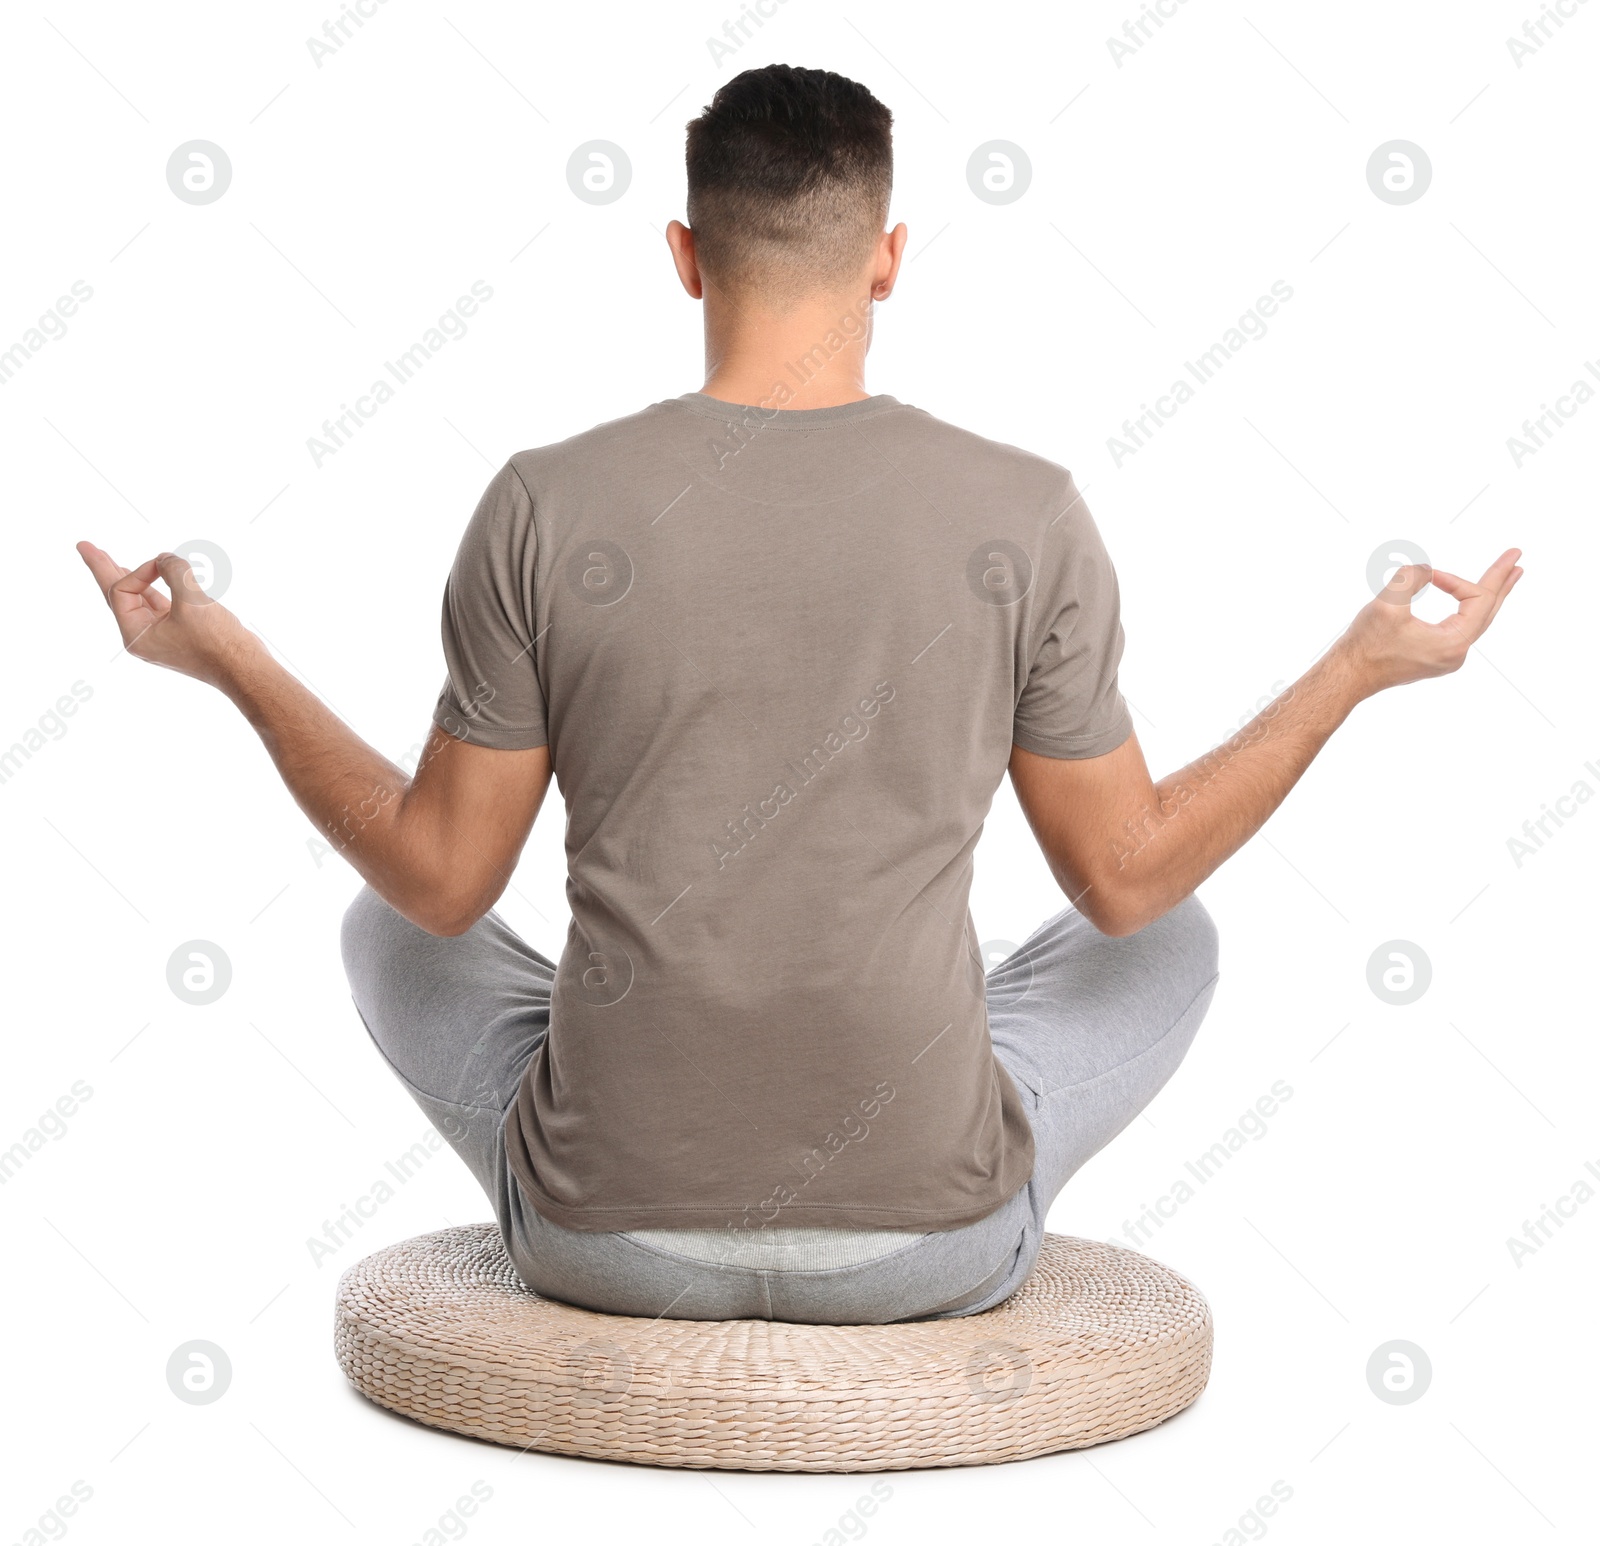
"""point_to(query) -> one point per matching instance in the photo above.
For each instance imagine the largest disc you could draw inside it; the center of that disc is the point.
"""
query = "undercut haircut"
(789, 178)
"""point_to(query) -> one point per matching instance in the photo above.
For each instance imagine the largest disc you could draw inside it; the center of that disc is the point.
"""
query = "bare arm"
(1125, 849)
(439, 847)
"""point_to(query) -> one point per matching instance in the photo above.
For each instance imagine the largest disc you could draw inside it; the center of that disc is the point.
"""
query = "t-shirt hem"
(620, 1218)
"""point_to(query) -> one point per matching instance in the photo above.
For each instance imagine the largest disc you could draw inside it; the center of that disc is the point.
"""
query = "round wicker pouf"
(1099, 1343)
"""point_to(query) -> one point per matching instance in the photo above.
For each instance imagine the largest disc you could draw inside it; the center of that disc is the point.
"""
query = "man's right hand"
(186, 632)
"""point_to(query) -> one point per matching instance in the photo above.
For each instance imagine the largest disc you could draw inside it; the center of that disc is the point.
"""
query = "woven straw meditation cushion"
(1099, 1343)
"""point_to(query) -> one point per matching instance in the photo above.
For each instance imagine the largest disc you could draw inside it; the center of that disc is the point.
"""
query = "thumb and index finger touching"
(124, 587)
(1479, 600)
(1407, 582)
(180, 578)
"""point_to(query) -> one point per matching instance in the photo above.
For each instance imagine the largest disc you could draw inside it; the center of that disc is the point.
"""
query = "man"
(780, 640)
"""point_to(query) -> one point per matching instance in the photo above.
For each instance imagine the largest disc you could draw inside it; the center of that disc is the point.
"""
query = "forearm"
(1205, 812)
(353, 795)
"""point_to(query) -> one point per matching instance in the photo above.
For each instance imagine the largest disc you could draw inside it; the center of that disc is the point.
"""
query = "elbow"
(444, 916)
(1119, 913)
(447, 925)
(430, 913)
(1117, 922)
(1115, 908)
(450, 897)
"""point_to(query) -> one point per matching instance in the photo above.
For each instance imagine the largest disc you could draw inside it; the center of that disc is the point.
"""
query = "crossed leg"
(1089, 1027)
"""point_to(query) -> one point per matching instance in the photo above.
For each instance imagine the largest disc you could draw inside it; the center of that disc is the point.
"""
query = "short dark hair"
(789, 179)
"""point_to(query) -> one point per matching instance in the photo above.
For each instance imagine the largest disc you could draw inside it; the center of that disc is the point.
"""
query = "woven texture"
(1099, 1343)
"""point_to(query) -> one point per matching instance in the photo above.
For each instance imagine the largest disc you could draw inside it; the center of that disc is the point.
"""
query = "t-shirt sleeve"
(492, 696)
(1070, 705)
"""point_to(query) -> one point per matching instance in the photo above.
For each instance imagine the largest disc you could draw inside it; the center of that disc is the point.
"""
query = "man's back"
(780, 659)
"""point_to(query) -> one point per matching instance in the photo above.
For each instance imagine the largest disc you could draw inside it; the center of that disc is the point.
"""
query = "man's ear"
(886, 262)
(681, 240)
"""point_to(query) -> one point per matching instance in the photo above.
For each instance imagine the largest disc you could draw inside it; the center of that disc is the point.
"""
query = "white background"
(1167, 194)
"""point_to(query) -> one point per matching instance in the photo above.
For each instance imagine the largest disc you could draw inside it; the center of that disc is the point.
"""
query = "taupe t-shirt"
(780, 659)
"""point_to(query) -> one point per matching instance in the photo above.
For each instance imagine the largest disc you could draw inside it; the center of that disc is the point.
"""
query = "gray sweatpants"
(1089, 1027)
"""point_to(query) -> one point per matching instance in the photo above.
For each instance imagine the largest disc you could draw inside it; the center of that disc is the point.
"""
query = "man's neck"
(813, 356)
